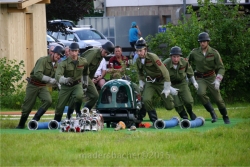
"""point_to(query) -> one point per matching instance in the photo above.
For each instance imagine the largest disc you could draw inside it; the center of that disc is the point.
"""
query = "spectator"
(66, 54)
(117, 64)
(100, 73)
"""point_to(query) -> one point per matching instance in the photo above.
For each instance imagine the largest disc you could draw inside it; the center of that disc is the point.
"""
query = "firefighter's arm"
(162, 68)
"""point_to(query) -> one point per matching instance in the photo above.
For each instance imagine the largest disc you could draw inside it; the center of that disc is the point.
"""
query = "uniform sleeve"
(88, 55)
(190, 56)
(189, 69)
(219, 64)
(60, 70)
(162, 68)
(39, 68)
(140, 70)
(86, 68)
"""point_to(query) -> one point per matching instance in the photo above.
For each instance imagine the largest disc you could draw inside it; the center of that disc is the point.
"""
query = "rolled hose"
(162, 124)
(185, 123)
(53, 124)
(34, 125)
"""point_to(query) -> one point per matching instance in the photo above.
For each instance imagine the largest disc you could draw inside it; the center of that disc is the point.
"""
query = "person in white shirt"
(100, 74)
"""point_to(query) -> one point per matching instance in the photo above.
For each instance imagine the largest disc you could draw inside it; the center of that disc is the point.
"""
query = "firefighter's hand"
(52, 81)
(166, 89)
(217, 81)
(173, 91)
(141, 85)
(66, 81)
(84, 80)
(194, 82)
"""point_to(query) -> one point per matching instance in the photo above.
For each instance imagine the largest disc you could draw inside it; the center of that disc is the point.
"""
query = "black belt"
(175, 82)
(204, 74)
(74, 83)
(157, 79)
(35, 82)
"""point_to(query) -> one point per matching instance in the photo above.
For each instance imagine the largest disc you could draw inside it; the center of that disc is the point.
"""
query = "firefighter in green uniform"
(179, 69)
(43, 73)
(70, 75)
(209, 71)
(155, 77)
(94, 56)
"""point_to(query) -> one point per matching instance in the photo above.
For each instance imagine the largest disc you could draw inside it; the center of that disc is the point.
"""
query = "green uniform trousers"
(92, 94)
(148, 92)
(206, 83)
(184, 97)
(69, 95)
(32, 92)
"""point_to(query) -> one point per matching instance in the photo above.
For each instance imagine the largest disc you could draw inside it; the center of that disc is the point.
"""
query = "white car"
(86, 37)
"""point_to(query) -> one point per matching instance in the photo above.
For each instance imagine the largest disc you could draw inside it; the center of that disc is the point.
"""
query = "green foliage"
(15, 101)
(11, 74)
(230, 35)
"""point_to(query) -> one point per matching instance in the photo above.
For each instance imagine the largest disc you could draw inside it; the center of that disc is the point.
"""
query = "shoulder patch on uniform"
(158, 62)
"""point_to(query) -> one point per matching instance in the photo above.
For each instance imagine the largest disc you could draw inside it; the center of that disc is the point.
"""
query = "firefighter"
(43, 73)
(179, 69)
(153, 77)
(209, 74)
(70, 75)
(94, 56)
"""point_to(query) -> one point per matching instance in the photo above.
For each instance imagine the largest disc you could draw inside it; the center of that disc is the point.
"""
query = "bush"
(230, 35)
(11, 74)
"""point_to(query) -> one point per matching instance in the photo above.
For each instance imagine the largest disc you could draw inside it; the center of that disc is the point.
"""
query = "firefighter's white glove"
(194, 82)
(84, 80)
(173, 91)
(141, 85)
(53, 81)
(46, 79)
(166, 89)
(59, 86)
(217, 81)
(66, 81)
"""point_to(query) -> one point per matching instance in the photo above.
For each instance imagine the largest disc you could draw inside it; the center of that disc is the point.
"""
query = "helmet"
(74, 46)
(203, 37)
(59, 49)
(109, 47)
(140, 44)
(176, 50)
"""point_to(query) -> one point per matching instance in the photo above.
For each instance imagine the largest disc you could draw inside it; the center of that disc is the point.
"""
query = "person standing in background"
(134, 34)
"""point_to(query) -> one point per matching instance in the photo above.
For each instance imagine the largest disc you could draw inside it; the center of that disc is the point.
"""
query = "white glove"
(59, 86)
(141, 85)
(194, 82)
(217, 81)
(84, 80)
(166, 89)
(66, 81)
(173, 91)
(46, 79)
(53, 81)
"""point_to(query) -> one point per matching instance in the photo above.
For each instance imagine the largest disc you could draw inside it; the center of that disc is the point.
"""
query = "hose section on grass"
(162, 124)
(185, 123)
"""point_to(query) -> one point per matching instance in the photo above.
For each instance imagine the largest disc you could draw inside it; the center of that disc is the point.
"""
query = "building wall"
(161, 11)
(21, 40)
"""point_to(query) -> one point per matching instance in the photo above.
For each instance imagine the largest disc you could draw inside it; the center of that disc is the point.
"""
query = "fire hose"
(185, 123)
(162, 124)
(53, 124)
(34, 125)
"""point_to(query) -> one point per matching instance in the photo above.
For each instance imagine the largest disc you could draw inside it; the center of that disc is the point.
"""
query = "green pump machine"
(120, 100)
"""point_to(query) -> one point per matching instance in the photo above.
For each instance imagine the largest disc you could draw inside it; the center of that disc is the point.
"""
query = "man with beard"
(209, 71)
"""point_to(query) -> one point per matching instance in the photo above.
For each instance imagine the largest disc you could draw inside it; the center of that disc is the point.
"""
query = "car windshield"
(89, 35)
(50, 39)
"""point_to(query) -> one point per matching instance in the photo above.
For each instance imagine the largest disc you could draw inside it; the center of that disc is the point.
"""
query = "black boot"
(191, 114)
(58, 117)
(142, 113)
(152, 116)
(69, 113)
(22, 121)
(224, 114)
(183, 114)
(38, 114)
(78, 109)
(210, 109)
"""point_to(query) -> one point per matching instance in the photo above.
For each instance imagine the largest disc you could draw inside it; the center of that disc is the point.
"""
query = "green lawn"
(210, 145)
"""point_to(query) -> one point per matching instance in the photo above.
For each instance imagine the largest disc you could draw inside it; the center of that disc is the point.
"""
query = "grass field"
(210, 145)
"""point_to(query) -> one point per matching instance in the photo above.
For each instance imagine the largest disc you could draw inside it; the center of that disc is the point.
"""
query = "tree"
(230, 35)
(67, 9)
